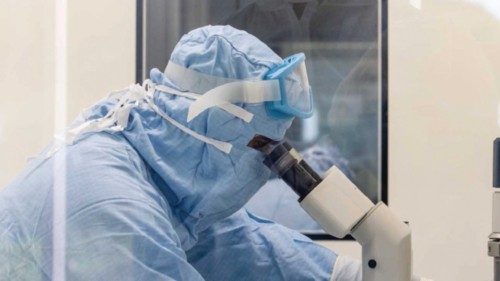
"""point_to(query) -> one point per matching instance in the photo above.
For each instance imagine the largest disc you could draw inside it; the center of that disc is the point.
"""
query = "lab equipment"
(494, 238)
(141, 192)
(341, 208)
(277, 202)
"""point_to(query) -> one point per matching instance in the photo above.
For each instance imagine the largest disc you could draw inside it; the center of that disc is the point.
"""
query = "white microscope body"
(341, 208)
(385, 239)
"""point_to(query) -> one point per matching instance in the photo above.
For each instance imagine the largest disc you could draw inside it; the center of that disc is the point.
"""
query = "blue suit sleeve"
(246, 247)
(117, 224)
(125, 240)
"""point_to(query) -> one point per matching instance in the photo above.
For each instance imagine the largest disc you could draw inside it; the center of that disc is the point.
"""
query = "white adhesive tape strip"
(192, 80)
(117, 119)
(228, 107)
(236, 92)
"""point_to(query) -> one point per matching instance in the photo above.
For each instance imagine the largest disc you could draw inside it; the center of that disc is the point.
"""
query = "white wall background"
(444, 91)
(101, 58)
(27, 79)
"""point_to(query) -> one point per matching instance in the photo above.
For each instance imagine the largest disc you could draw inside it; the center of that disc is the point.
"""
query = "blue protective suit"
(154, 203)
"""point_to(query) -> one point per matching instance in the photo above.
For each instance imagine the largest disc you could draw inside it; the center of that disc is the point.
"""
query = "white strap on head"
(230, 108)
(117, 118)
(192, 80)
(244, 91)
(220, 91)
(221, 145)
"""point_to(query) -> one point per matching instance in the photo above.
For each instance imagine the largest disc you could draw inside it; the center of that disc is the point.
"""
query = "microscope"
(494, 238)
(340, 208)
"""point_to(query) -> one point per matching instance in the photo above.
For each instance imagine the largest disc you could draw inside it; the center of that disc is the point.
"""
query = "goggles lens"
(295, 91)
(298, 91)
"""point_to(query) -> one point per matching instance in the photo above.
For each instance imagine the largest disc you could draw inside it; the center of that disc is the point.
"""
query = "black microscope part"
(496, 163)
(286, 162)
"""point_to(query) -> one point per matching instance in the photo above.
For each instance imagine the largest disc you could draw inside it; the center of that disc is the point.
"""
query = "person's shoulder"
(104, 166)
(97, 168)
(93, 148)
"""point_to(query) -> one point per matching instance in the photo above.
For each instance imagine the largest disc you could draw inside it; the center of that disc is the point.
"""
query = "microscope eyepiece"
(288, 164)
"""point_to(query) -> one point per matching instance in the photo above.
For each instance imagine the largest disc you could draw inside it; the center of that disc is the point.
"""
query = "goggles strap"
(243, 91)
(192, 80)
(209, 91)
(228, 107)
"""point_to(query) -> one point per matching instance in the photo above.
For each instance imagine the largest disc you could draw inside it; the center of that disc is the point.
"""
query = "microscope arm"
(341, 208)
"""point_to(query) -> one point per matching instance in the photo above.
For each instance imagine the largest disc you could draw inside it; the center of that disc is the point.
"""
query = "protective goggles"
(284, 89)
(295, 91)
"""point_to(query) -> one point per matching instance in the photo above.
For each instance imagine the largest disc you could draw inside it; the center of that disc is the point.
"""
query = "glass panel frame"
(159, 26)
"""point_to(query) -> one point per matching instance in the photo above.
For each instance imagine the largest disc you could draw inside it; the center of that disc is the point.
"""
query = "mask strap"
(116, 119)
(221, 145)
(228, 107)
(243, 91)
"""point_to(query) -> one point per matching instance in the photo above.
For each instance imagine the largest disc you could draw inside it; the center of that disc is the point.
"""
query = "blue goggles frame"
(281, 108)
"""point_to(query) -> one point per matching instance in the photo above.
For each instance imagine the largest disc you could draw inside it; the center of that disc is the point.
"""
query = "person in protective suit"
(151, 196)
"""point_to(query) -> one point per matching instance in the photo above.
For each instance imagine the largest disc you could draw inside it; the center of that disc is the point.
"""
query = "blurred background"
(443, 100)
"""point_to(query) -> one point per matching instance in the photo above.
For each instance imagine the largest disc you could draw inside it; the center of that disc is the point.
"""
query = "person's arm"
(125, 239)
(246, 247)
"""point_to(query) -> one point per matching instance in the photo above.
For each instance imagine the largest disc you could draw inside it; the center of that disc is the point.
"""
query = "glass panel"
(341, 41)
